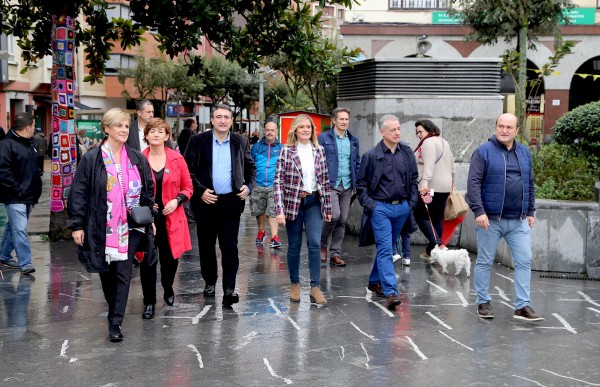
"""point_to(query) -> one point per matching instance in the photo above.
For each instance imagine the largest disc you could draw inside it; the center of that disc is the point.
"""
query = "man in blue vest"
(501, 194)
(343, 164)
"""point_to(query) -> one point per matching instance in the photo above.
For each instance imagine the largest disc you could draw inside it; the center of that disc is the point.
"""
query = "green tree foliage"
(312, 67)
(580, 128)
(224, 79)
(512, 20)
(563, 173)
(31, 22)
(244, 31)
(161, 79)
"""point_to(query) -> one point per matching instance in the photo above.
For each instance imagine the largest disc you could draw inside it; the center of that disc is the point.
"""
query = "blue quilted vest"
(495, 177)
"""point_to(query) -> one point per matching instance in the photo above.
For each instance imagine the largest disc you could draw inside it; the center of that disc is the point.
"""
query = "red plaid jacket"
(287, 185)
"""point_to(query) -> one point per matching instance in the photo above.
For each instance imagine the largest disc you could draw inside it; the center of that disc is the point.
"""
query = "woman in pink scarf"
(110, 180)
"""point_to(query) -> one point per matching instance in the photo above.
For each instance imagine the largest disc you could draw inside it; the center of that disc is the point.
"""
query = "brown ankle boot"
(295, 293)
(317, 297)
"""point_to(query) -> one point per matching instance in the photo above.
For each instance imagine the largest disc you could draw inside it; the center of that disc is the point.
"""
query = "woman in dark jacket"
(110, 180)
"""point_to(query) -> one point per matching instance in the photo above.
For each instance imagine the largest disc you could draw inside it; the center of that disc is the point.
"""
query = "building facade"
(410, 28)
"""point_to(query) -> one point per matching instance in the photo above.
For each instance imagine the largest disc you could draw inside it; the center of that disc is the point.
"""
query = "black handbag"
(139, 217)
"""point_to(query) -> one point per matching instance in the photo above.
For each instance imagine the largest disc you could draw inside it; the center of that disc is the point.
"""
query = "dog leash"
(431, 223)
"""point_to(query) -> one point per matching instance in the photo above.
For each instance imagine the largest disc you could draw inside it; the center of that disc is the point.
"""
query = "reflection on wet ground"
(53, 328)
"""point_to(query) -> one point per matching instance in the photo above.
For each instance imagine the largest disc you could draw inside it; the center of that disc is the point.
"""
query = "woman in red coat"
(172, 187)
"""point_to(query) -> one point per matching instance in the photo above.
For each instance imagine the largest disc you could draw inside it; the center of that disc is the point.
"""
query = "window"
(119, 61)
(118, 10)
(420, 4)
(340, 13)
(10, 48)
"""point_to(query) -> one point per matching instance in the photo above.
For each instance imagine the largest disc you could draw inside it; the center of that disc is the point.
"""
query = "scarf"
(123, 188)
(418, 151)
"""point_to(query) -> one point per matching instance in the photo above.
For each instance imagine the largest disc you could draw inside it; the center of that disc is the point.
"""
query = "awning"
(48, 100)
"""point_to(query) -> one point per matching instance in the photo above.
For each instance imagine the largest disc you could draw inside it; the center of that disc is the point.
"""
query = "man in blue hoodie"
(501, 194)
(265, 154)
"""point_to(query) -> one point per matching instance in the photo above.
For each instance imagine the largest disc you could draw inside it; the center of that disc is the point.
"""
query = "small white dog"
(460, 258)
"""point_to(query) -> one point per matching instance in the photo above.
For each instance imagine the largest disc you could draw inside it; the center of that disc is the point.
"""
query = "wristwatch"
(179, 200)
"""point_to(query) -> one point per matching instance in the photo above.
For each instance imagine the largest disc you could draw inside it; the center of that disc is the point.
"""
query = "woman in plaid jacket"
(302, 198)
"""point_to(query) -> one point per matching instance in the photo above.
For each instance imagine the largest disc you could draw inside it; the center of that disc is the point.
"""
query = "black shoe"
(376, 288)
(169, 300)
(527, 313)
(392, 302)
(209, 290)
(28, 270)
(148, 312)
(230, 297)
(485, 310)
(114, 333)
(10, 264)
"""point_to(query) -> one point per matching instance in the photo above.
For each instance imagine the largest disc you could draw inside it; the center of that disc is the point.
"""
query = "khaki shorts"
(261, 202)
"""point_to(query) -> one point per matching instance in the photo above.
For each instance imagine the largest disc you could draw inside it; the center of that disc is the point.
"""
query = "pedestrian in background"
(41, 146)
(189, 129)
(20, 190)
(111, 179)
(501, 194)
(265, 154)
(172, 187)
(302, 200)
(343, 163)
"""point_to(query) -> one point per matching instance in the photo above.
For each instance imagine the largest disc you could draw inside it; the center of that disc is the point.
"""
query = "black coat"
(20, 180)
(87, 206)
(371, 169)
(198, 157)
(133, 140)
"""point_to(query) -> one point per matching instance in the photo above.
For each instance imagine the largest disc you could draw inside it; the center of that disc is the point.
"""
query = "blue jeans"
(387, 221)
(310, 216)
(16, 236)
(517, 235)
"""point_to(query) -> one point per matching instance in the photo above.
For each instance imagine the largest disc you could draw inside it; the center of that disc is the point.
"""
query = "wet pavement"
(53, 328)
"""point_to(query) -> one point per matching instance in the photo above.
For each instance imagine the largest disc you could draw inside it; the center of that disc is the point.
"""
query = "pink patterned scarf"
(123, 187)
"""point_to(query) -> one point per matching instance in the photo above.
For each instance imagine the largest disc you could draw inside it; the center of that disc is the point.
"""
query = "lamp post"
(261, 100)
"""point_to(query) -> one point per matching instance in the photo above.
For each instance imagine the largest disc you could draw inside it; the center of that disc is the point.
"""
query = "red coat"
(176, 180)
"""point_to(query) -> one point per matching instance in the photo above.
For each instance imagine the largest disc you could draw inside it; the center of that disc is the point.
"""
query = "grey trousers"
(336, 229)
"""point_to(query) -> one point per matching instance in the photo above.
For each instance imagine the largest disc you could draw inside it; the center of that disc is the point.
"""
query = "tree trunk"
(64, 143)
(521, 87)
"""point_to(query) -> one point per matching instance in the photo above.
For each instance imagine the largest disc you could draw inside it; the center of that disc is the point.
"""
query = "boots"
(295, 293)
(317, 297)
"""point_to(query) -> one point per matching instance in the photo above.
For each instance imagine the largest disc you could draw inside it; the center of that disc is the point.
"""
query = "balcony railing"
(419, 4)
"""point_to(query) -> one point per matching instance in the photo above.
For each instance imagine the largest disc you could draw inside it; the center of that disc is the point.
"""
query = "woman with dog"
(435, 164)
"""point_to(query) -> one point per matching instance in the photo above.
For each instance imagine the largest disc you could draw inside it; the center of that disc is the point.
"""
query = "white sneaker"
(406, 261)
(396, 257)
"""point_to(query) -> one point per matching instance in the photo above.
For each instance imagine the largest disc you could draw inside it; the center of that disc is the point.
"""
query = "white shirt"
(143, 144)
(307, 160)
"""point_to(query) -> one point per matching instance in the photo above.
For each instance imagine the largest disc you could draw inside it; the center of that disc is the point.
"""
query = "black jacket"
(184, 139)
(20, 180)
(87, 206)
(371, 169)
(133, 140)
(198, 156)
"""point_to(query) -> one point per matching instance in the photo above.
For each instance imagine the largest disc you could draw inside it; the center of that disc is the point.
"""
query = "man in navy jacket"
(343, 163)
(501, 194)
